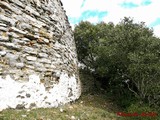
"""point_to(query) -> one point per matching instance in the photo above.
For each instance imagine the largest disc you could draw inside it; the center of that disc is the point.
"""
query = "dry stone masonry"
(38, 60)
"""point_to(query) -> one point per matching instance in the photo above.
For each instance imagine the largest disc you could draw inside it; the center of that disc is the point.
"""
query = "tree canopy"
(126, 54)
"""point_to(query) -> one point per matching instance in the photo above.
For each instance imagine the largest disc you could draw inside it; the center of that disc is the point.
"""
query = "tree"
(85, 39)
(126, 55)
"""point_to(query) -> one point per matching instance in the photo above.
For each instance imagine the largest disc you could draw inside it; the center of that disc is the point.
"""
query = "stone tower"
(38, 60)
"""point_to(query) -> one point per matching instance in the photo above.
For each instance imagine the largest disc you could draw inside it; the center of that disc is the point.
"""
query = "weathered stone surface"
(29, 9)
(7, 20)
(3, 25)
(30, 50)
(17, 31)
(57, 55)
(12, 56)
(39, 65)
(17, 2)
(4, 39)
(11, 46)
(31, 58)
(38, 61)
(44, 60)
(3, 29)
(5, 5)
(17, 41)
(43, 55)
(19, 65)
(3, 53)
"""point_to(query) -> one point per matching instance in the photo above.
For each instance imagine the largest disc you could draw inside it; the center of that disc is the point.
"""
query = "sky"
(114, 11)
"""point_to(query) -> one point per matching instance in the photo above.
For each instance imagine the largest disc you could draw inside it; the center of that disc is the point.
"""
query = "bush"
(144, 112)
(124, 57)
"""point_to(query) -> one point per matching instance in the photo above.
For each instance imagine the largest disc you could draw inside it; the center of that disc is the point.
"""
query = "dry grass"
(88, 107)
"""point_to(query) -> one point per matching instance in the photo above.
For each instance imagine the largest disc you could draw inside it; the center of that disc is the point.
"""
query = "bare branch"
(132, 90)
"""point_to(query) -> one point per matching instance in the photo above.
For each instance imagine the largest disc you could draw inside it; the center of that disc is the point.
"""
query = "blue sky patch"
(128, 5)
(88, 14)
(73, 20)
(83, 3)
(94, 13)
(146, 2)
(155, 23)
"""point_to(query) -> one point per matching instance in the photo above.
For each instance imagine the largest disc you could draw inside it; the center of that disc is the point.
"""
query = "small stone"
(81, 102)
(48, 66)
(44, 60)
(28, 110)
(46, 40)
(34, 22)
(19, 65)
(24, 116)
(12, 57)
(13, 34)
(17, 41)
(44, 55)
(41, 69)
(31, 36)
(18, 3)
(30, 50)
(32, 105)
(52, 66)
(20, 106)
(70, 107)
(3, 29)
(6, 5)
(30, 66)
(31, 63)
(4, 38)
(28, 95)
(3, 53)
(31, 58)
(8, 20)
(61, 110)
(57, 55)
(23, 25)
(11, 46)
(32, 11)
(17, 30)
(3, 25)
(73, 117)
(26, 39)
(38, 65)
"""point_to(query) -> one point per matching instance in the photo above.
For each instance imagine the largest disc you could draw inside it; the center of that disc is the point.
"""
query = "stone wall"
(36, 49)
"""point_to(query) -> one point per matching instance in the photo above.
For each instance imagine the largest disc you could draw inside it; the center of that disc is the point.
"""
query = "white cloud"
(97, 5)
(72, 7)
(148, 14)
(157, 30)
(145, 13)
(93, 19)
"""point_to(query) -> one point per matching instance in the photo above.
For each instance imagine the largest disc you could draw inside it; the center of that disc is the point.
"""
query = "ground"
(88, 107)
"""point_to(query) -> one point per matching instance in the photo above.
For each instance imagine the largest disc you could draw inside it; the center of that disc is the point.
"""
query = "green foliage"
(85, 35)
(86, 108)
(144, 112)
(126, 56)
(88, 83)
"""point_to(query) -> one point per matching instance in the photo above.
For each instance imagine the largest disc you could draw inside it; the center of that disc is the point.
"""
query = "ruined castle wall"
(37, 53)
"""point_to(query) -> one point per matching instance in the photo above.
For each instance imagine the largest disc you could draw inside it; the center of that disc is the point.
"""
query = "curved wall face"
(38, 61)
